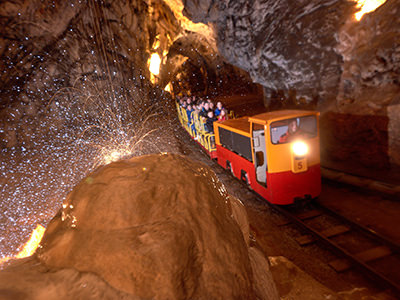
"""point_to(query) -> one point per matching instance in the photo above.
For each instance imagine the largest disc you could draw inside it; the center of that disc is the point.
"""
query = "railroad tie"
(330, 232)
(340, 265)
(303, 216)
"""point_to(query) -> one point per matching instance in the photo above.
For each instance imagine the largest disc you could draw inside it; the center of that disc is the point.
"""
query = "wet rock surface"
(153, 227)
(76, 91)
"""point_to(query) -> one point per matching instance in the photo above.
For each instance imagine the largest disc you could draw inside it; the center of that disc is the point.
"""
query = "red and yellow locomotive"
(276, 153)
(278, 164)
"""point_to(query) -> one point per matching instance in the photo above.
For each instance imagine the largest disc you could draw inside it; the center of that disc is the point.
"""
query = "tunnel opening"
(224, 80)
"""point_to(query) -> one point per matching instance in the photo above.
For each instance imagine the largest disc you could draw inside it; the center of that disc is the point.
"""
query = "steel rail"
(356, 226)
(340, 251)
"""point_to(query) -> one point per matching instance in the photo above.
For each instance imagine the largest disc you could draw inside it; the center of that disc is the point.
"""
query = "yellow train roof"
(277, 115)
(240, 125)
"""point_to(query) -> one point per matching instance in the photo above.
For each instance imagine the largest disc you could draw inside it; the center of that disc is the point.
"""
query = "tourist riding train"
(276, 153)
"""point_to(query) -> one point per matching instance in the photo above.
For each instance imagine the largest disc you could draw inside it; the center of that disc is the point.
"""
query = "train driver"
(292, 132)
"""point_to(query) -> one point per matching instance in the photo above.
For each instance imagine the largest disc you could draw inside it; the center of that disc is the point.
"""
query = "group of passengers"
(205, 110)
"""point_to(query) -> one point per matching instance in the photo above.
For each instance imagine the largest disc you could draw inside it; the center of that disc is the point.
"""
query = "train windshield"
(289, 130)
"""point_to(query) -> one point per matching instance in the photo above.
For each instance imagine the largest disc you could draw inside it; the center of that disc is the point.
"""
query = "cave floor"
(369, 208)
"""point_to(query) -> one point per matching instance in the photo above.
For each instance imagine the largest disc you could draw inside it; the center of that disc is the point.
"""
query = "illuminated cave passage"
(77, 90)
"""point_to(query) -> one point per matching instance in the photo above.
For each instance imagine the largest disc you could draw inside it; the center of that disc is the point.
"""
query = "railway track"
(354, 245)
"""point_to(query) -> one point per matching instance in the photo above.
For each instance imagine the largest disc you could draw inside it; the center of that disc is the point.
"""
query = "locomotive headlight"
(300, 148)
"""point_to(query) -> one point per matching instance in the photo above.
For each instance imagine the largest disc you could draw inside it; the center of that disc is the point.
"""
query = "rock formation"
(76, 91)
(284, 45)
(152, 227)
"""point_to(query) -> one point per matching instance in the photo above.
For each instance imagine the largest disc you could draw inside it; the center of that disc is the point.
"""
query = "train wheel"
(244, 177)
(229, 167)
(306, 202)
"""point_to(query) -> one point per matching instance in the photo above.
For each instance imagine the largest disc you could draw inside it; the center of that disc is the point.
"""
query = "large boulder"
(152, 227)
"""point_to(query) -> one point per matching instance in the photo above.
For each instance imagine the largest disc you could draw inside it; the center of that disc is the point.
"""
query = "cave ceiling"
(312, 51)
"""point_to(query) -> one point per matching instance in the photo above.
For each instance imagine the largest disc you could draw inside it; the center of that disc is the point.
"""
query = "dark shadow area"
(358, 145)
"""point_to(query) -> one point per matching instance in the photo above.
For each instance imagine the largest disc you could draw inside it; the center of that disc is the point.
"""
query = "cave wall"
(311, 48)
(74, 89)
(394, 130)
(315, 54)
(70, 61)
(370, 78)
(284, 45)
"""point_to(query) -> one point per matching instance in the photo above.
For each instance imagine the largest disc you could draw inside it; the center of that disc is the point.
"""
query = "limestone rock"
(284, 45)
(295, 284)
(154, 227)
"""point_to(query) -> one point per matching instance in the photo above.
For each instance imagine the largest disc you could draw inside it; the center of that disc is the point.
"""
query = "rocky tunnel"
(76, 90)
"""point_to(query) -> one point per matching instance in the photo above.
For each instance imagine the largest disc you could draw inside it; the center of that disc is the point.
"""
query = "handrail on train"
(206, 139)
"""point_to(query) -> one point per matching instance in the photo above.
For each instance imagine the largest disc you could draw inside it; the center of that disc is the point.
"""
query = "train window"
(285, 131)
(235, 142)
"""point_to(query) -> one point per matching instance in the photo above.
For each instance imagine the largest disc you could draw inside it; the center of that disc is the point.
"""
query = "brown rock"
(157, 227)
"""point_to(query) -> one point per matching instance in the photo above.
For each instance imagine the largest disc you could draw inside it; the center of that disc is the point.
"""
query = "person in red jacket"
(292, 132)
(222, 115)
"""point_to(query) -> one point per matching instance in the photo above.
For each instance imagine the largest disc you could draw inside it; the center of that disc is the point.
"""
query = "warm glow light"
(33, 242)
(155, 62)
(177, 7)
(156, 43)
(367, 6)
(4, 259)
(299, 148)
(168, 87)
(30, 246)
(115, 155)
